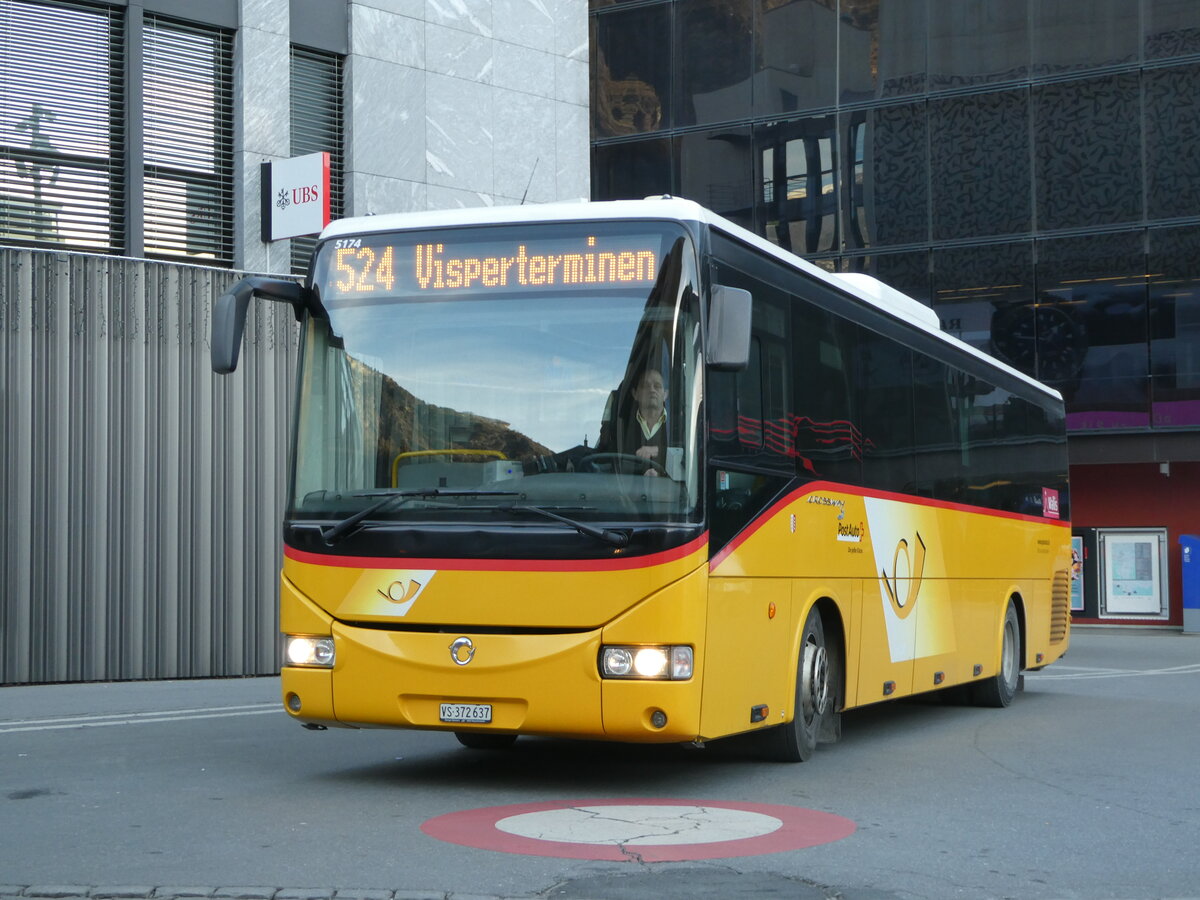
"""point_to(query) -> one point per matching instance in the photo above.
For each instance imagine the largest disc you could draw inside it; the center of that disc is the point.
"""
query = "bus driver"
(643, 434)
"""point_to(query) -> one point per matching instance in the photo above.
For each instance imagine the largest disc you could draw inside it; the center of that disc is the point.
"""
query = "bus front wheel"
(817, 677)
(999, 690)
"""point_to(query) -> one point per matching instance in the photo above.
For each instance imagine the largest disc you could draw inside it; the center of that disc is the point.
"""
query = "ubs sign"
(295, 196)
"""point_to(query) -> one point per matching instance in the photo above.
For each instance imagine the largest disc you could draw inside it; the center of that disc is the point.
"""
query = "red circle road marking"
(799, 828)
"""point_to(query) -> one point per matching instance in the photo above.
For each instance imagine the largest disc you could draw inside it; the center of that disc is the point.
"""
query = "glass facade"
(1026, 167)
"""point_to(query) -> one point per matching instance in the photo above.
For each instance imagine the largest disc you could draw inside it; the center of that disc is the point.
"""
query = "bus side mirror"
(728, 328)
(229, 315)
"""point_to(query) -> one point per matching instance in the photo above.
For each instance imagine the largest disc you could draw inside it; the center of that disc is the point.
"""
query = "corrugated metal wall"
(140, 494)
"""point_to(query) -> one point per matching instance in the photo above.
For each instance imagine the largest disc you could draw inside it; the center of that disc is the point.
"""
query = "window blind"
(62, 138)
(188, 131)
(317, 125)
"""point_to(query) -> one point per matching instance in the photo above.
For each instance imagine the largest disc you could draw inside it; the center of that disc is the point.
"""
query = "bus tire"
(814, 717)
(999, 690)
(479, 740)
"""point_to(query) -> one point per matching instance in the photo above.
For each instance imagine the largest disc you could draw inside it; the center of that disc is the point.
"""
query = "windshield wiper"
(342, 528)
(616, 538)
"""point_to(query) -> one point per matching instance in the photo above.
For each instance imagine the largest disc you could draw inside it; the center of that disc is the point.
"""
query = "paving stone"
(182, 891)
(345, 894)
(304, 894)
(244, 893)
(122, 892)
(56, 890)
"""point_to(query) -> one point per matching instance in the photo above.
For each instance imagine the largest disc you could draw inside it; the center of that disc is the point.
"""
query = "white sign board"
(295, 197)
(1133, 566)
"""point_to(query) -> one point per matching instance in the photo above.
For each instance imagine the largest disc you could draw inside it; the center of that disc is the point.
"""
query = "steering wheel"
(588, 463)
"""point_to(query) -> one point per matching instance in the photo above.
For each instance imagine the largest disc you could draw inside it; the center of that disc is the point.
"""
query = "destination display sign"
(383, 265)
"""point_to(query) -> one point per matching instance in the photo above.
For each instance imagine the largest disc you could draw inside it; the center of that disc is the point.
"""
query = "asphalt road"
(1087, 787)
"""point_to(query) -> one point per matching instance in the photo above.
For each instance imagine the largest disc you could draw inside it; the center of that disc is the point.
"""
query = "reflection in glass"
(977, 42)
(716, 169)
(1172, 136)
(633, 170)
(1082, 180)
(714, 60)
(631, 71)
(1091, 327)
(61, 153)
(979, 165)
(972, 284)
(795, 74)
(1174, 281)
(1172, 28)
(799, 184)
(1083, 34)
(881, 48)
(889, 174)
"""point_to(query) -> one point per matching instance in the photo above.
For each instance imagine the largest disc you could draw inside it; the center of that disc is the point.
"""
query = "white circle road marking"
(638, 825)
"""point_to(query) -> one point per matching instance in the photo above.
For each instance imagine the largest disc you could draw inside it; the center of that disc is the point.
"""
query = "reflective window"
(938, 452)
(888, 158)
(1091, 328)
(1172, 28)
(977, 42)
(1174, 282)
(798, 177)
(979, 165)
(631, 71)
(881, 49)
(1082, 180)
(983, 294)
(793, 74)
(886, 401)
(714, 53)
(716, 169)
(1172, 136)
(632, 171)
(826, 424)
(61, 144)
(1083, 34)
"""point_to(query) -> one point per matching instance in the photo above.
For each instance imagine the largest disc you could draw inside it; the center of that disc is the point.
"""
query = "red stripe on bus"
(616, 563)
(833, 487)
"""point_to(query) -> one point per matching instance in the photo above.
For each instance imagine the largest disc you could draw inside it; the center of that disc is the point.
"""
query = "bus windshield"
(473, 373)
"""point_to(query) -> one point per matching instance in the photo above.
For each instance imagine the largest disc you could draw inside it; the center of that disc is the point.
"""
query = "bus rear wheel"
(999, 690)
(818, 674)
(478, 740)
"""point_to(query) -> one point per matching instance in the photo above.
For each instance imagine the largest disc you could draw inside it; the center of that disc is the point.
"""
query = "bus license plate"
(480, 713)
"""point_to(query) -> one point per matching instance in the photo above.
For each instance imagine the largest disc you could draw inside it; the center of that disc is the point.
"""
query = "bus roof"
(865, 288)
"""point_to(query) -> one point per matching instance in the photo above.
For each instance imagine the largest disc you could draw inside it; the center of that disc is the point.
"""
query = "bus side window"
(938, 452)
(886, 400)
(825, 422)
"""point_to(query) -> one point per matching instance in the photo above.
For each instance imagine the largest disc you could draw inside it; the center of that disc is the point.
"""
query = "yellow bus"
(627, 471)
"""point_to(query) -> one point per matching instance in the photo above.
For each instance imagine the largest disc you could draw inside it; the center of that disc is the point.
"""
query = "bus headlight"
(669, 663)
(304, 650)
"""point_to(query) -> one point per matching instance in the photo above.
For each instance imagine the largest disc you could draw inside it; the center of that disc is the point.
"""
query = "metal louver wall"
(139, 493)
(316, 124)
(187, 85)
(62, 121)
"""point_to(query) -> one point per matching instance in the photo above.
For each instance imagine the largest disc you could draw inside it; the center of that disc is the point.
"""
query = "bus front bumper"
(543, 684)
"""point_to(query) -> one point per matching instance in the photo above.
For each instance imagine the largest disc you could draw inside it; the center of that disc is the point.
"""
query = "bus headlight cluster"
(670, 663)
(305, 650)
